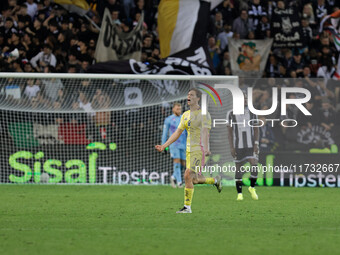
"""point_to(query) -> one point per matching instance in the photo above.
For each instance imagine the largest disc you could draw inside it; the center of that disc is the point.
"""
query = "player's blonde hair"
(198, 92)
(176, 104)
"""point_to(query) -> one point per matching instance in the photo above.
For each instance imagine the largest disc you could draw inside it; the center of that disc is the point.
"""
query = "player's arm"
(231, 143)
(165, 131)
(256, 140)
(172, 139)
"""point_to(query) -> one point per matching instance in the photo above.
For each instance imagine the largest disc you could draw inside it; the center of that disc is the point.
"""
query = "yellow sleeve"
(181, 124)
(206, 121)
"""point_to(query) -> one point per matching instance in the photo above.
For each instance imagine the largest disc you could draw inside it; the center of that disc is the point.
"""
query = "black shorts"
(244, 154)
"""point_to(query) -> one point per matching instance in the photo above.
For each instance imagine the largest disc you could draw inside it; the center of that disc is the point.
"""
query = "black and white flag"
(115, 44)
(286, 28)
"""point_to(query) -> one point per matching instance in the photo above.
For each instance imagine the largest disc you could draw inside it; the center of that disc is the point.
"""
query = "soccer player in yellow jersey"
(198, 127)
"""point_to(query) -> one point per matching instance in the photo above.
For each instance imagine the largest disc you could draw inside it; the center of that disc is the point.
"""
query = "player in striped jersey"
(244, 146)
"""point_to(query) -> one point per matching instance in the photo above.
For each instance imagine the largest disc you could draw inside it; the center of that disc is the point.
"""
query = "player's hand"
(233, 153)
(207, 153)
(160, 148)
(256, 149)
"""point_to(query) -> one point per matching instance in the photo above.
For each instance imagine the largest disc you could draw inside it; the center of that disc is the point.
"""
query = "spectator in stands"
(44, 58)
(328, 115)
(308, 13)
(115, 17)
(307, 33)
(28, 67)
(327, 70)
(139, 7)
(147, 45)
(9, 27)
(83, 55)
(85, 104)
(32, 8)
(72, 60)
(242, 25)
(31, 89)
(297, 64)
(214, 51)
(103, 118)
(224, 63)
(262, 30)
(273, 67)
(255, 13)
(17, 66)
(14, 42)
(321, 9)
(51, 86)
(228, 12)
(218, 23)
(53, 28)
(223, 37)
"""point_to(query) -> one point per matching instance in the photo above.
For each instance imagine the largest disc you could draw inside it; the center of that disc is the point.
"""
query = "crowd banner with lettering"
(249, 57)
(115, 44)
(286, 28)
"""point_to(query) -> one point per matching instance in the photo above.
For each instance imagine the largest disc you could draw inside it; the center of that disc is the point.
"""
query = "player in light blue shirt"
(178, 148)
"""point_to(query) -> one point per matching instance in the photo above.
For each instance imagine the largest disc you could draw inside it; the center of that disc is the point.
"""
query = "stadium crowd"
(50, 39)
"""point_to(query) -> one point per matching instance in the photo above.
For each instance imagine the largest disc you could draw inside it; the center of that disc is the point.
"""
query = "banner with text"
(286, 28)
(116, 44)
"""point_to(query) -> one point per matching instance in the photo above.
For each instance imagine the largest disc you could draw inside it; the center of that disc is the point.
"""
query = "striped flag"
(183, 24)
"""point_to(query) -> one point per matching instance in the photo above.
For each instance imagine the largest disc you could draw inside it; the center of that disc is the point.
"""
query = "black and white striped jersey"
(243, 128)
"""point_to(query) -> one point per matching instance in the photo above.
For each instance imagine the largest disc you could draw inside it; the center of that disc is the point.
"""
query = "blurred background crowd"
(51, 39)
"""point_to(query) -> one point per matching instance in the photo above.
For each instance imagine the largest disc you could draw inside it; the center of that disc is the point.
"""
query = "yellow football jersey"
(194, 122)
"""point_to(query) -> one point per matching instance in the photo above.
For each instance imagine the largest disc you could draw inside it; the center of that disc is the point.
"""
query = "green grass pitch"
(142, 220)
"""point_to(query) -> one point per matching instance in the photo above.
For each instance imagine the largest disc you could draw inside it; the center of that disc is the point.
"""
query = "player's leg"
(191, 177)
(175, 155)
(253, 177)
(194, 160)
(189, 185)
(176, 176)
(188, 190)
(183, 164)
(238, 181)
(253, 171)
(198, 161)
(240, 158)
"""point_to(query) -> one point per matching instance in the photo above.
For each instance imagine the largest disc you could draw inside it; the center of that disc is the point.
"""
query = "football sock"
(188, 193)
(253, 178)
(239, 186)
(252, 181)
(177, 172)
(209, 180)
